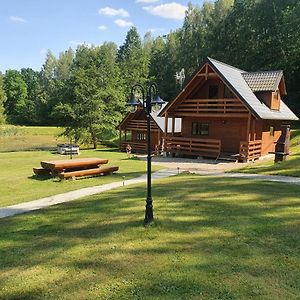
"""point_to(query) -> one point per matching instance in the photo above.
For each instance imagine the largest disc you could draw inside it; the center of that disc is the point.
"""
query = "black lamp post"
(149, 100)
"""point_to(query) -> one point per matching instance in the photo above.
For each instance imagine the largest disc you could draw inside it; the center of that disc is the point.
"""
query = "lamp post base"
(149, 212)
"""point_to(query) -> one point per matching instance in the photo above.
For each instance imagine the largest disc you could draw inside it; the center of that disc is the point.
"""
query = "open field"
(19, 184)
(291, 167)
(213, 239)
(23, 138)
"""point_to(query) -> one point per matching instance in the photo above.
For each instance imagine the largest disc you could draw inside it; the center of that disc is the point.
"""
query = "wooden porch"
(192, 146)
(250, 150)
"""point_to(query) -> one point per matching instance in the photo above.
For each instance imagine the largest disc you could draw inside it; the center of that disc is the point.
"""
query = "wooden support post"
(206, 71)
(120, 139)
(254, 129)
(125, 135)
(173, 126)
(248, 137)
(166, 124)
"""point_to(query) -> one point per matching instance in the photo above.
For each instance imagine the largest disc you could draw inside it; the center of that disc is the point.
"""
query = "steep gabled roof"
(234, 78)
(160, 121)
(263, 81)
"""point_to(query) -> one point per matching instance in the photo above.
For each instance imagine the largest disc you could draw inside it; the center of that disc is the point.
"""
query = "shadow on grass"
(108, 150)
(40, 177)
(213, 238)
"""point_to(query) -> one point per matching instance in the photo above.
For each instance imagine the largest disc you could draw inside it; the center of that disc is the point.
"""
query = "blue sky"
(29, 27)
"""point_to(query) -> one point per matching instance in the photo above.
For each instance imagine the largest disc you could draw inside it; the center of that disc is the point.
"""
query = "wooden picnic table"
(71, 164)
(72, 168)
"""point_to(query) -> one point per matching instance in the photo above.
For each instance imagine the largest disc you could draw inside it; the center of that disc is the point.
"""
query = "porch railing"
(250, 150)
(193, 146)
(135, 146)
(139, 147)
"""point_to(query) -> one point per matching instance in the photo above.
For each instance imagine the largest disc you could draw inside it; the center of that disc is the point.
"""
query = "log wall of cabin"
(155, 138)
(269, 140)
(230, 131)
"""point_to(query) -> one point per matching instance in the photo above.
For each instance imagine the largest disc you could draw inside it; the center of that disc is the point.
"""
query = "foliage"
(214, 238)
(2, 100)
(133, 60)
(251, 35)
(16, 94)
(97, 99)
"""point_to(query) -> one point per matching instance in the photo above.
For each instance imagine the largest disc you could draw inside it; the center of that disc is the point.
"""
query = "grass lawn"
(214, 238)
(18, 184)
(22, 138)
(291, 167)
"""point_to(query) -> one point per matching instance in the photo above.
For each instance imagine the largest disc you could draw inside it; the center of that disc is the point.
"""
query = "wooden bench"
(88, 172)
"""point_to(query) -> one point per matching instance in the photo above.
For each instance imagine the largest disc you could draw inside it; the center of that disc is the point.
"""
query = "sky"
(28, 28)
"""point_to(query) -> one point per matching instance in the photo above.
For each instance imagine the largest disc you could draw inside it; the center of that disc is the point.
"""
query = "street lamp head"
(156, 103)
(133, 103)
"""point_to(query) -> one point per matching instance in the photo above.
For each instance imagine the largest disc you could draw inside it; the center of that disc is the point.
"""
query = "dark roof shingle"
(263, 81)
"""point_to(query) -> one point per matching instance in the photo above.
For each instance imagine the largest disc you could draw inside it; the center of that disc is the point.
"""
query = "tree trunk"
(94, 138)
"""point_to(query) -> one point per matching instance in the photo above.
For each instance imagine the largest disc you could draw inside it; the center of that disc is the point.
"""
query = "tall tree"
(98, 100)
(48, 88)
(193, 36)
(16, 93)
(33, 103)
(2, 100)
(133, 61)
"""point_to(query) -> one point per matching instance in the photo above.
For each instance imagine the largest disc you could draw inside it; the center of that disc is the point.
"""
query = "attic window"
(213, 92)
(227, 93)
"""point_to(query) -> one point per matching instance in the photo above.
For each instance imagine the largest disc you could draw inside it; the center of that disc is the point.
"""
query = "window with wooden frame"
(271, 130)
(201, 129)
(213, 92)
(141, 136)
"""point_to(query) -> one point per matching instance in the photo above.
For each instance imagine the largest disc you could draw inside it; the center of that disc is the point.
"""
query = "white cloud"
(123, 23)
(146, 1)
(102, 27)
(111, 12)
(171, 10)
(17, 19)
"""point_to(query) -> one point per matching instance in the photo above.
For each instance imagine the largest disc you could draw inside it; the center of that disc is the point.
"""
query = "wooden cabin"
(133, 130)
(228, 113)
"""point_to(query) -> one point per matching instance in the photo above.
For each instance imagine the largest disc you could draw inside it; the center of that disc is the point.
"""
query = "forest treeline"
(85, 90)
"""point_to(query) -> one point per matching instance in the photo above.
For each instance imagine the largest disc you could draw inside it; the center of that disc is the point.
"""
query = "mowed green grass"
(22, 138)
(214, 238)
(19, 184)
(290, 167)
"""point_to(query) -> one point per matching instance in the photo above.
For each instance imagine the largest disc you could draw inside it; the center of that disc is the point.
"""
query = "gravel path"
(73, 195)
